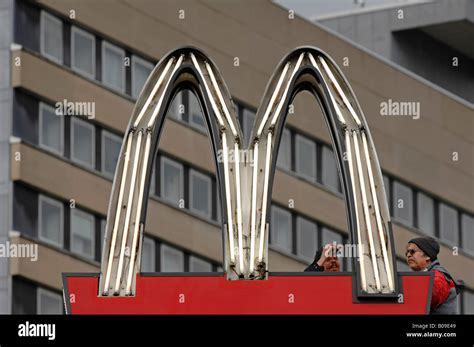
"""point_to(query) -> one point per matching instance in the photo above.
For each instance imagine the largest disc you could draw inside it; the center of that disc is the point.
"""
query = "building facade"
(88, 60)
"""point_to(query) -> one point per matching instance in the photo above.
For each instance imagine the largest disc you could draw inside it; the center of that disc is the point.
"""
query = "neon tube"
(155, 88)
(377, 211)
(160, 101)
(366, 211)
(117, 215)
(336, 106)
(239, 205)
(228, 199)
(137, 216)
(282, 100)
(272, 100)
(221, 99)
(211, 98)
(265, 194)
(254, 206)
(356, 208)
(339, 90)
(128, 212)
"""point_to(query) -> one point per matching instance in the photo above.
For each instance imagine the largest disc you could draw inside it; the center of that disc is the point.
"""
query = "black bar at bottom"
(26, 330)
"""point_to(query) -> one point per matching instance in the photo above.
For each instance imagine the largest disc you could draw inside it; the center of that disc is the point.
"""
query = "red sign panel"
(210, 294)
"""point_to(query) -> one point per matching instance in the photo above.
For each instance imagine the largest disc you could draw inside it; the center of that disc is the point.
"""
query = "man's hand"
(329, 251)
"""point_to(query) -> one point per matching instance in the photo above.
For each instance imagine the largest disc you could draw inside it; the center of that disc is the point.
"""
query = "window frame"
(463, 246)
(198, 259)
(42, 291)
(176, 164)
(172, 249)
(298, 138)
(179, 96)
(298, 238)
(77, 30)
(108, 45)
(93, 243)
(272, 231)
(422, 195)
(110, 135)
(199, 127)
(74, 121)
(138, 60)
(411, 201)
(43, 16)
(41, 108)
(326, 150)
(150, 241)
(43, 198)
(288, 149)
(193, 172)
(457, 220)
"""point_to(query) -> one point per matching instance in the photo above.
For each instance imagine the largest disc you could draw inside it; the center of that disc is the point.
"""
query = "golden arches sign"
(246, 182)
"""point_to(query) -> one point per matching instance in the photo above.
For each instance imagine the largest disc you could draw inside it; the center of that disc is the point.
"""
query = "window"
(176, 108)
(403, 203)
(448, 224)
(172, 259)
(284, 152)
(281, 234)
(113, 69)
(48, 302)
(305, 157)
(248, 120)
(200, 193)
(330, 176)
(153, 180)
(141, 69)
(111, 145)
(148, 255)
(194, 111)
(82, 142)
(171, 180)
(468, 302)
(199, 265)
(330, 236)
(467, 225)
(82, 233)
(51, 129)
(82, 52)
(425, 208)
(51, 41)
(307, 238)
(51, 221)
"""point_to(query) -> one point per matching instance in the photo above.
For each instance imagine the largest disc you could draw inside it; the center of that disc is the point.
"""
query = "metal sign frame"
(246, 182)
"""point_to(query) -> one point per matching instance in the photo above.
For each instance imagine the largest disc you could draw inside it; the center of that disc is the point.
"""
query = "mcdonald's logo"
(245, 184)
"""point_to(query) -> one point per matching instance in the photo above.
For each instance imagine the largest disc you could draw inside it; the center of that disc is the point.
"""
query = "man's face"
(332, 264)
(416, 259)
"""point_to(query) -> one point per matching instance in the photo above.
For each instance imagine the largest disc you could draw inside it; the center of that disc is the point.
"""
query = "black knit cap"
(428, 245)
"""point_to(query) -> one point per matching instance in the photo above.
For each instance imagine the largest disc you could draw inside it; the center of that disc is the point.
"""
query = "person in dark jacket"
(422, 255)
(325, 260)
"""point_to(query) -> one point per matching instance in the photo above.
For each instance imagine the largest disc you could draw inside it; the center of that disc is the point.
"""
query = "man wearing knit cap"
(422, 255)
